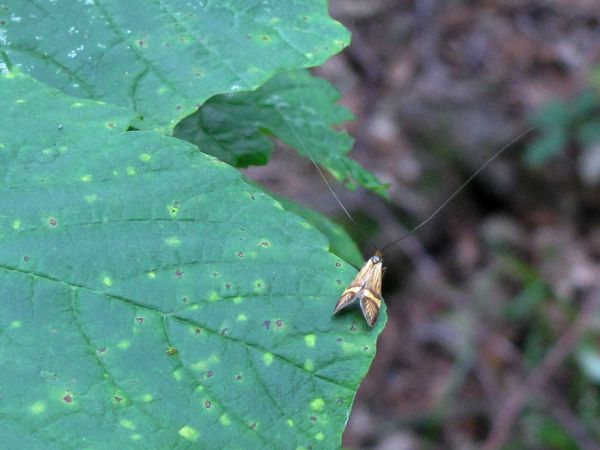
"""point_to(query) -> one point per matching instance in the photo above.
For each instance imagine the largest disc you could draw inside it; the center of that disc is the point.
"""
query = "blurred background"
(493, 333)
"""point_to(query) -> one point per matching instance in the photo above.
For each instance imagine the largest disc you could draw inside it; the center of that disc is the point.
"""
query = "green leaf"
(150, 298)
(340, 242)
(589, 132)
(553, 114)
(163, 59)
(546, 147)
(296, 107)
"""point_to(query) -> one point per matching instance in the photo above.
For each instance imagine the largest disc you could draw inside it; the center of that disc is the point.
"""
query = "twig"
(517, 399)
(563, 415)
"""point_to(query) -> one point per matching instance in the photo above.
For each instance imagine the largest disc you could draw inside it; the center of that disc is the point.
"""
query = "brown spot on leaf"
(238, 377)
(338, 264)
(52, 222)
(267, 324)
(209, 374)
(253, 426)
(68, 398)
(241, 254)
(279, 323)
(179, 273)
(139, 320)
(207, 404)
(25, 258)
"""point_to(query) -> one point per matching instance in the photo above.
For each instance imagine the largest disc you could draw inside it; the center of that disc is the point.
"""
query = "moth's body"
(366, 289)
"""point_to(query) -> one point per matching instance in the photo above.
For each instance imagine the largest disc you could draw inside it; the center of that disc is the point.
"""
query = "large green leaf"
(340, 242)
(163, 59)
(296, 107)
(150, 298)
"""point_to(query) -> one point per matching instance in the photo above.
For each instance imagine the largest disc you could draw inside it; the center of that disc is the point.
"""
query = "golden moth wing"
(347, 298)
(370, 305)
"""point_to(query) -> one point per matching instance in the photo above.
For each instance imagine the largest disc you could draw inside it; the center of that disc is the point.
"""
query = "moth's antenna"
(309, 154)
(460, 188)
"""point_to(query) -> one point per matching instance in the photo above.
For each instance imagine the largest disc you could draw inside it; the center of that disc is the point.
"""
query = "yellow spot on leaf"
(213, 296)
(320, 436)
(309, 365)
(318, 404)
(135, 437)
(349, 348)
(151, 275)
(37, 408)
(124, 344)
(290, 423)
(16, 324)
(178, 375)
(173, 241)
(203, 364)
(225, 420)
(76, 105)
(268, 359)
(147, 398)
(130, 171)
(238, 299)
(107, 281)
(16, 224)
(242, 317)
(91, 198)
(86, 178)
(145, 157)
(310, 340)
(125, 423)
(189, 433)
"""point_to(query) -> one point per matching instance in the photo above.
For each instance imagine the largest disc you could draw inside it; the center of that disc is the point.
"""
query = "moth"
(365, 290)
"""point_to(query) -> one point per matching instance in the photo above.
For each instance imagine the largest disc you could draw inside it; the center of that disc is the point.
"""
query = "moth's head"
(377, 258)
